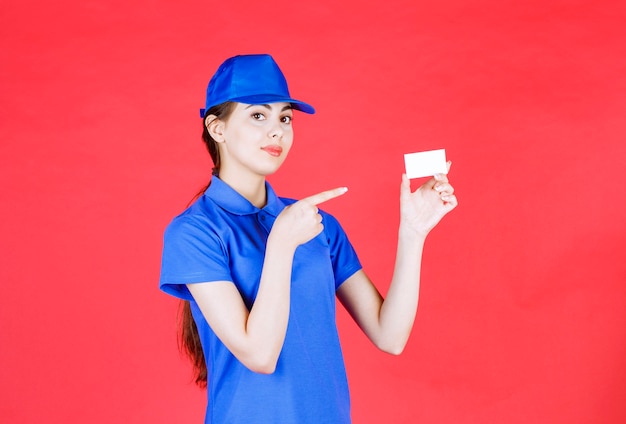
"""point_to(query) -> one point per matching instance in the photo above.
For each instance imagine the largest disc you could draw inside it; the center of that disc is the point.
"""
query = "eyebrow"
(267, 106)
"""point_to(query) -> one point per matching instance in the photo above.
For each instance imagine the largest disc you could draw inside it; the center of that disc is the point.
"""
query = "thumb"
(405, 185)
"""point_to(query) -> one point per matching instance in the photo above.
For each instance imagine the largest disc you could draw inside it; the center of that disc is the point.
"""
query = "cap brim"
(302, 107)
(261, 99)
(267, 99)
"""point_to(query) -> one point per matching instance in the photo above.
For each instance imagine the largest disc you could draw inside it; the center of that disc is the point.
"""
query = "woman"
(260, 273)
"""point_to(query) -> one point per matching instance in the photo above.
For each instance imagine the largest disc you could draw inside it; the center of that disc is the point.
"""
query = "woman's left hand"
(422, 209)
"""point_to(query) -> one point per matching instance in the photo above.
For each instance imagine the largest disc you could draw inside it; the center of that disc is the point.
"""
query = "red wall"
(522, 315)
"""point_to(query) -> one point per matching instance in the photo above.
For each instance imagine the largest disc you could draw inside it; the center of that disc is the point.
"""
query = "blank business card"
(425, 164)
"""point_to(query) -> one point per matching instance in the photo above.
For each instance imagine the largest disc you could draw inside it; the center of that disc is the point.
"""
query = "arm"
(256, 336)
(388, 322)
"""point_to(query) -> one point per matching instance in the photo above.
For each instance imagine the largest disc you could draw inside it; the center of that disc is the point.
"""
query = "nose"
(276, 132)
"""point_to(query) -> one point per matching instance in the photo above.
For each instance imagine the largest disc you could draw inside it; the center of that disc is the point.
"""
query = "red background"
(522, 315)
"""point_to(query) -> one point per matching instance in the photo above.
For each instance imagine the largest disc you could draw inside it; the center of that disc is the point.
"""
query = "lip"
(273, 150)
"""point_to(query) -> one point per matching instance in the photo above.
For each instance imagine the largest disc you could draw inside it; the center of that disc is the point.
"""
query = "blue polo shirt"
(222, 237)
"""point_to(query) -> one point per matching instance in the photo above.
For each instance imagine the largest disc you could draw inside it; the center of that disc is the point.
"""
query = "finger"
(443, 177)
(451, 201)
(444, 188)
(324, 196)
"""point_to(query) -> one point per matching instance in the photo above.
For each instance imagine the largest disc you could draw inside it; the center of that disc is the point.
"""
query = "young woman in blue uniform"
(259, 273)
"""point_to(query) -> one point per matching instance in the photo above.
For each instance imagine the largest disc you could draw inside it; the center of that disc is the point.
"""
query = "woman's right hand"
(301, 221)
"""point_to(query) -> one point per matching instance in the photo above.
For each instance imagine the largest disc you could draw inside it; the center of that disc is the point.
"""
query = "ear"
(215, 126)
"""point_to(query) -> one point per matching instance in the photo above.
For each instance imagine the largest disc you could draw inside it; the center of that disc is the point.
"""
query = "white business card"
(425, 164)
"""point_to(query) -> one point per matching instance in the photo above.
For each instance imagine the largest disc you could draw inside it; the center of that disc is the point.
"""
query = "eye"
(286, 119)
(258, 116)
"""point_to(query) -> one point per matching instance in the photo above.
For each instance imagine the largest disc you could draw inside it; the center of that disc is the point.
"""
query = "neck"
(252, 187)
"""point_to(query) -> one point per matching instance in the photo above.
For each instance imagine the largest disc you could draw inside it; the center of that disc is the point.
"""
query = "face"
(255, 139)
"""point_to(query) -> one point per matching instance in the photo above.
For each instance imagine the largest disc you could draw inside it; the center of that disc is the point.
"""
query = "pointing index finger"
(324, 196)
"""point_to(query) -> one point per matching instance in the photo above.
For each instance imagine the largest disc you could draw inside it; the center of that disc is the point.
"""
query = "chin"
(270, 169)
(267, 173)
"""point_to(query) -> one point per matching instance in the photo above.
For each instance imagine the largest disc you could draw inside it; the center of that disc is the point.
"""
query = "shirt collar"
(227, 198)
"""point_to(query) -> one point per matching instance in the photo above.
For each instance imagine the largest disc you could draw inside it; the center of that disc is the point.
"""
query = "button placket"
(265, 221)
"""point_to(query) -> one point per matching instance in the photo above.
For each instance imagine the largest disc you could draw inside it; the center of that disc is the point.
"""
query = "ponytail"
(189, 343)
(188, 338)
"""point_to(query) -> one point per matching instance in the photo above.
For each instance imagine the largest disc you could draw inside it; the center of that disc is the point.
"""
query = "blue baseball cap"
(250, 79)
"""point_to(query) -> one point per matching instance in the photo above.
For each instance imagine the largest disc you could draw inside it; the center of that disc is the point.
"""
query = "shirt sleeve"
(343, 256)
(192, 253)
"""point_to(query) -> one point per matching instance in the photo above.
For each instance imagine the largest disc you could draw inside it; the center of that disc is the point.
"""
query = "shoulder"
(199, 218)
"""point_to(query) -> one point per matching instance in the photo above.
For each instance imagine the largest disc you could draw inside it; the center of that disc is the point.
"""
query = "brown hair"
(188, 337)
